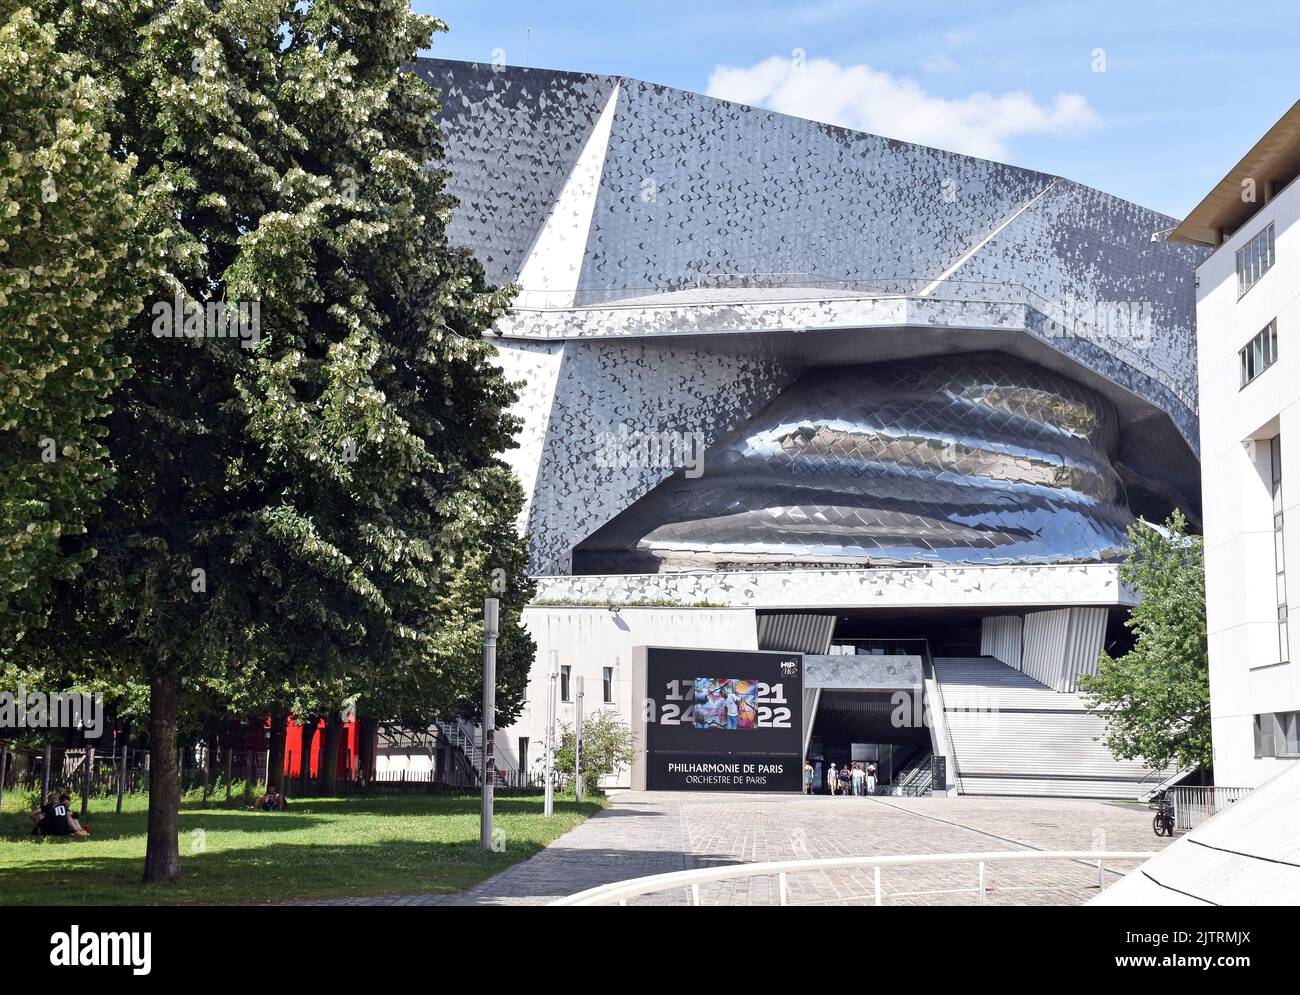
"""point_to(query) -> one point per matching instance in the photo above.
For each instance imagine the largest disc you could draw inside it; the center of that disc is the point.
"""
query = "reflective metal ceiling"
(974, 458)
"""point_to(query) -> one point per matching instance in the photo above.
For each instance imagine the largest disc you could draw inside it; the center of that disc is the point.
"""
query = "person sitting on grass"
(54, 818)
(272, 801)
(77, 829)
(48, 820)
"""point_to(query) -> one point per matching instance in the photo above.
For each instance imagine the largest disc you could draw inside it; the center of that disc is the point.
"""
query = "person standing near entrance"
(871, 779)
(807, 778)
(833, 780)
(846, 781)
(859, 780)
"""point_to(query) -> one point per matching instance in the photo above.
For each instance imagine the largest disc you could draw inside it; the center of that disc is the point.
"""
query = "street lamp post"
(490, 624)
(577, 743)
(552, 676)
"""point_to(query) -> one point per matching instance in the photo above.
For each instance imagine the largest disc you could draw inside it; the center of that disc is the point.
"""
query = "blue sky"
(1153, 101)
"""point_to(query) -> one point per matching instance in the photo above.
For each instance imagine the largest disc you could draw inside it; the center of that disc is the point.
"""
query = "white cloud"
(867, 99)
(940, 62)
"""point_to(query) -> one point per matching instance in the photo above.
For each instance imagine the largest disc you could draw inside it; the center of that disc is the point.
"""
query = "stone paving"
(643, 833)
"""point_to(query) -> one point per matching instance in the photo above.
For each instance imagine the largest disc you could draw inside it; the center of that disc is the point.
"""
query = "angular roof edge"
(1274, 160)
(617, 78)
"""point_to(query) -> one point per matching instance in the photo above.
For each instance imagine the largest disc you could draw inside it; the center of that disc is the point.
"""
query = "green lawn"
(319, 848)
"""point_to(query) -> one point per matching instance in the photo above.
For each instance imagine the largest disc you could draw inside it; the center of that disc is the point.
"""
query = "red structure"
(293, 752)
(256, 735)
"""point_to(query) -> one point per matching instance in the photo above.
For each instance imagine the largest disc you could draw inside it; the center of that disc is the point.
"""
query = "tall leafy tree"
(68, 281)
(321, 490)
(1155, 699)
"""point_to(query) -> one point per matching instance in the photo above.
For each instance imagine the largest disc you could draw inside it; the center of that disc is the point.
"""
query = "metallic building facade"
(958, 459)
(787, 386)
(888, 354)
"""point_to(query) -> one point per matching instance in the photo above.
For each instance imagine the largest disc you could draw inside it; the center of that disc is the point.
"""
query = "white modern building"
(1247, 316)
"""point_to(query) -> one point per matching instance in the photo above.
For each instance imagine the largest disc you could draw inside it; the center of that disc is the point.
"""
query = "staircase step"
(1014, 736)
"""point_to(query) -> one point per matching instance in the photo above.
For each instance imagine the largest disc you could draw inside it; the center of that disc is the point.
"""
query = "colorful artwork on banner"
(726, 703)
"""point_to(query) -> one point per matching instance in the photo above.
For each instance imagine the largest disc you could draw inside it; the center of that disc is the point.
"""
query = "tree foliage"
(1155, 699)
(608, 746)
(68, 281)
(315, 502)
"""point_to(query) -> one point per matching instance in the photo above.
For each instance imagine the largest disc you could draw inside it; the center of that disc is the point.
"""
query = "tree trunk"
(367, 738)
(122, 770)
(275, 762)
(254, 745)
(47, 784)
(86, 775)
(162, 855)
(308, 738)
(329, 761)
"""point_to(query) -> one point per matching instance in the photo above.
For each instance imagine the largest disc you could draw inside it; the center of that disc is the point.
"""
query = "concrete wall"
(1059, 645)
(1000, 637)
(1247, 674)
(590, 639)
(1053, 647)
(993, 587)
(863, 672)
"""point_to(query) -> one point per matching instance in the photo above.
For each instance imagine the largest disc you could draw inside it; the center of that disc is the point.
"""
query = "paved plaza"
(644, 833)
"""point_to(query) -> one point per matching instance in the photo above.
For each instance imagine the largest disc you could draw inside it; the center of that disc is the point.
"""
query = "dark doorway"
(865, 727)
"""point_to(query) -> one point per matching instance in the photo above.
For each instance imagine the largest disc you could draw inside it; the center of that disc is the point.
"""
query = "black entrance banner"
(723, 720)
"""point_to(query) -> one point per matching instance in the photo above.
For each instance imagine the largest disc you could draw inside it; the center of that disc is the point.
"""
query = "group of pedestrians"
(850, 779)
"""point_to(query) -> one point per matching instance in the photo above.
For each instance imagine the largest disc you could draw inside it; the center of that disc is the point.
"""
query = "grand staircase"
(1013, 736)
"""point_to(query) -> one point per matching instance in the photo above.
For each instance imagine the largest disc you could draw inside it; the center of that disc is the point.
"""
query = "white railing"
(620, 891)
(940, 734)
(1193, 804)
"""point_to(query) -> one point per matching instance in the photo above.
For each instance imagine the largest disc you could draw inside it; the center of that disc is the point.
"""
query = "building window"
(608, 675)
(1279, 548)
(1277, 734)
(564, 684)
(1254, 259)
(1259, 354)
(523, 754)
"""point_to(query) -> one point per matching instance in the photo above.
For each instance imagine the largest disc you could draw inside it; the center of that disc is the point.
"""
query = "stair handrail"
(1165, 778)
(465, 737)
(927, 663)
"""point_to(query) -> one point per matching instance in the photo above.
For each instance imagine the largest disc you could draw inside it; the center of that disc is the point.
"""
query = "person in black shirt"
(51, 819)
(73, 822)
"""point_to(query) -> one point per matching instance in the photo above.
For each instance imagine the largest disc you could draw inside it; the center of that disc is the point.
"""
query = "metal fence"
(228, 775)
(1194, 804)
(25, 769)
(405, 781)
(122, 771)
